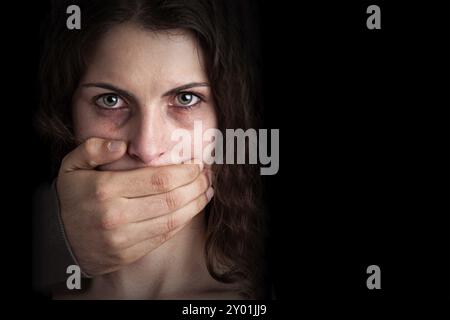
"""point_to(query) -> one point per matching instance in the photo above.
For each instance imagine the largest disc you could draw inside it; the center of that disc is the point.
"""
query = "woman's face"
(139, 87)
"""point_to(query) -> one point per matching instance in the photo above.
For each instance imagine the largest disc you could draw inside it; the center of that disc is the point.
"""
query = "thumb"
(92, 153)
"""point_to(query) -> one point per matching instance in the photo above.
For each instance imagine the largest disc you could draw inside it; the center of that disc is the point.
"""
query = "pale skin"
(136, 224)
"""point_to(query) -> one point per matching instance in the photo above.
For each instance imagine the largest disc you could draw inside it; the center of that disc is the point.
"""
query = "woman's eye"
(186, 100)
(109, 101)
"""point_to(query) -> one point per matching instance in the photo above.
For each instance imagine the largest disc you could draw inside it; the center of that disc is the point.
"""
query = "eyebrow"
(185, 87)
(132, 98)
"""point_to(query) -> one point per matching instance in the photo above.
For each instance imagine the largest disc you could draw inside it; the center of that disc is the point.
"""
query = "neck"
(176, 266)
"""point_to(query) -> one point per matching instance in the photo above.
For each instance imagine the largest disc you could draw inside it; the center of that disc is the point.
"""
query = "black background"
(364, 151)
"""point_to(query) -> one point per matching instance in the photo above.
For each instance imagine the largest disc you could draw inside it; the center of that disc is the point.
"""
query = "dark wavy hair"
(234, 246)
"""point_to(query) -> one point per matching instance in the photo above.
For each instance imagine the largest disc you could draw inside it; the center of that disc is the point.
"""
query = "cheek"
(81, 122)
(87, 123)
(201, 133)
(206, 114)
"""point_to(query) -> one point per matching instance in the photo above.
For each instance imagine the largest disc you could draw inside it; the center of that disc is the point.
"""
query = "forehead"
(129, 52)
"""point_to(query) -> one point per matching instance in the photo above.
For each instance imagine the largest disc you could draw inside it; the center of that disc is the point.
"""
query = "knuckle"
(171, 223)
(163, 238)
(90, 150)
(101, 191)
(200, 203)
(90, 146)
(161, 181)
(171, 200)
(115, 241)
(109, 219)
(100, 194)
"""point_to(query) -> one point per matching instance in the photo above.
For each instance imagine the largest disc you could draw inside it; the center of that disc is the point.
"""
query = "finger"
(140, 249)
(143, 208)
(140, 231)
(210, 174)
(92, 153)
(151, 180)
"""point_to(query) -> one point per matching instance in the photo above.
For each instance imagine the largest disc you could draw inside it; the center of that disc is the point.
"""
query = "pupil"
(186, 98)
(111, 100)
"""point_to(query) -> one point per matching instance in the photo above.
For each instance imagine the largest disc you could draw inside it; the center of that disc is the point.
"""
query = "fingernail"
(210, 193)
(115, 146)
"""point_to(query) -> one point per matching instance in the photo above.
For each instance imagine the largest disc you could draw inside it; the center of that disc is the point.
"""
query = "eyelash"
(186, 108)
(96, 98)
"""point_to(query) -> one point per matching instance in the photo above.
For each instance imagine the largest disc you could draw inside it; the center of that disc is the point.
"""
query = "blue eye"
(109, 101)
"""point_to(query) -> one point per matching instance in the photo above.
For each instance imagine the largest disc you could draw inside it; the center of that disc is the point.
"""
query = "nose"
(148, 140)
